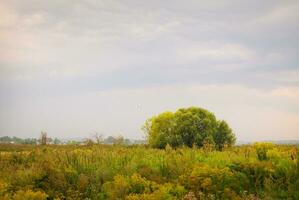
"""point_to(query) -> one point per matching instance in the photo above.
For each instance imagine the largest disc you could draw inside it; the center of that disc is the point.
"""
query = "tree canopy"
(188, 127)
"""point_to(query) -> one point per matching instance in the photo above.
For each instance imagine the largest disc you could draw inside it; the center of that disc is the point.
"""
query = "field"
(261, 171)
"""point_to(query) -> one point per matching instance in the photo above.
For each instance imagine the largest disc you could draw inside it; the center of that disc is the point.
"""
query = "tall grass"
(139, 172)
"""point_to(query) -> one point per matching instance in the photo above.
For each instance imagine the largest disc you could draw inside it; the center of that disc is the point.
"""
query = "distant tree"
(30, 141)
(17, 140)
(98, 138)
(188, 127)
(127, 141)
(109, 140)
(119, 140)
(56, 141)
(89, 142)
(5, 139)
(49, 140)
(43, 138)
(73, 142)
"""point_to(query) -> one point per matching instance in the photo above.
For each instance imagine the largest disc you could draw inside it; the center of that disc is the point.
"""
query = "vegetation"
(97, 171)
(16, 140)
(188, 127)
(193, 159)
(98, 139)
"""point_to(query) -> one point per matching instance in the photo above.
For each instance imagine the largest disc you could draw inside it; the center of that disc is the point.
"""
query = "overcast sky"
(73, 68)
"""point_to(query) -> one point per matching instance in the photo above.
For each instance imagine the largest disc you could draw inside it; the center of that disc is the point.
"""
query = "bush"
(219, 182)
(139, 172)
(262, 148)
(136, 187)
(29, 195)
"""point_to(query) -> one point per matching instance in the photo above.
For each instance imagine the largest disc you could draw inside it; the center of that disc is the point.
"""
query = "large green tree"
(188, 127)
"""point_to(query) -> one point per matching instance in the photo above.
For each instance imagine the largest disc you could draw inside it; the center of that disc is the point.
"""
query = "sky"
(75, 68)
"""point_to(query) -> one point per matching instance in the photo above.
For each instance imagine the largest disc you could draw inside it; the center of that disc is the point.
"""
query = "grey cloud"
(64, 48)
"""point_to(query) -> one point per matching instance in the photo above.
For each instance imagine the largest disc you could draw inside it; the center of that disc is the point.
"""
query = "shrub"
(136, 187)
(138, 172)
(262, 148)
(206, 180)
(29, 195)
(162, 192)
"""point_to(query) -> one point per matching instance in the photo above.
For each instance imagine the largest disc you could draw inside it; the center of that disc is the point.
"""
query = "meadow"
(260, 171)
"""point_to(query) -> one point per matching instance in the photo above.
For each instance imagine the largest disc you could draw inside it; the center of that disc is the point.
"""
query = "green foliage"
(139, 172)
(16, 140)
(224, 135)
(137, 187)
(262, 149)
(29, 195)
(188, 127)
(161, 129)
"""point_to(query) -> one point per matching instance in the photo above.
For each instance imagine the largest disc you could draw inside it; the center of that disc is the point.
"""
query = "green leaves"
(188, 127)
(139, 172)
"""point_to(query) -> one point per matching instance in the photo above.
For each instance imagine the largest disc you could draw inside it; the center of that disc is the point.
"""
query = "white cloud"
(216, 52)
(288, 76)
(281, 14)
(253, 114)
(64, 46)
(8, 17)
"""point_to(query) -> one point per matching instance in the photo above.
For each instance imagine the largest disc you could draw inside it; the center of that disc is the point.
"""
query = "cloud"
(281, 15)
(87, 33)
(8, 18)
(215, 53)
(227, 56)
(284, 77)
(253, 114)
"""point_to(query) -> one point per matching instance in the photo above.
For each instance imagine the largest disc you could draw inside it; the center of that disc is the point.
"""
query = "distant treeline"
(107, 140)
(16, 140)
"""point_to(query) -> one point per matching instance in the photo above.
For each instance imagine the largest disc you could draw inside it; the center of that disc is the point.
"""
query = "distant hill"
(291, 142)
(284, 141)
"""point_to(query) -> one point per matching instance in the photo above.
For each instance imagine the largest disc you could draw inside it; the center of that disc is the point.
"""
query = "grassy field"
(261, 171)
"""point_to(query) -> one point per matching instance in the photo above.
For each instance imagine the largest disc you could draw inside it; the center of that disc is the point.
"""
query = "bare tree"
(119, 140)
(98, 138)
(43, 138)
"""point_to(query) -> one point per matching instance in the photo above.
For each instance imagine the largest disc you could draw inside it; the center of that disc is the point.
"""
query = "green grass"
(140, 172)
